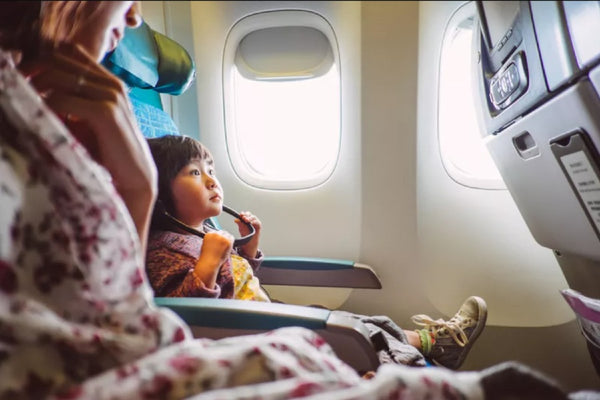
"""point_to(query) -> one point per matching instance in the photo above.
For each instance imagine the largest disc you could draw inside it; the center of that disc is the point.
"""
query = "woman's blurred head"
(97, 26)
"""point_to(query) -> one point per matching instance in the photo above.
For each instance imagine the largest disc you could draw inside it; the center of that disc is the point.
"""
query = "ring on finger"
(80, 82)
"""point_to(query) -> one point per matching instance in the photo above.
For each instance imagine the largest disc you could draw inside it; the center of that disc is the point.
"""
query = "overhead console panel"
(508, 62)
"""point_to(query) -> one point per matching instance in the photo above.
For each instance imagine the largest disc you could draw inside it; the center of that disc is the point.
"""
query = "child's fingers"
(226, 235)
(239, 222)
(222, 236)
(250, 218)
(219, 243)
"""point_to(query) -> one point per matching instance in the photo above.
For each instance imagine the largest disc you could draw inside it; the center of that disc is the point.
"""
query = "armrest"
(251, 315)
(309, 271)
(219, 318)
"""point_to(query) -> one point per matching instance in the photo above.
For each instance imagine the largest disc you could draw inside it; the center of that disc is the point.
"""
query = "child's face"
(197, 194)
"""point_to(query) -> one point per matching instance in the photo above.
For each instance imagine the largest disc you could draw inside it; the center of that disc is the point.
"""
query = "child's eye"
(195, 172)
(211, 172)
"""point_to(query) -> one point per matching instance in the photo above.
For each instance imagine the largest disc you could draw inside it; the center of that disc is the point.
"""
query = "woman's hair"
(61, 19)
(171, 153)
(31, 27)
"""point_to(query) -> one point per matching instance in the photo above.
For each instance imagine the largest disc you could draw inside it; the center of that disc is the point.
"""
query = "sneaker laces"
(452, 326)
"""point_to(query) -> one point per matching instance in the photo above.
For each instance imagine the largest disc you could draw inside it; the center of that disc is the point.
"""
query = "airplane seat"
(537, 79)
(153, 121)
(150, 64)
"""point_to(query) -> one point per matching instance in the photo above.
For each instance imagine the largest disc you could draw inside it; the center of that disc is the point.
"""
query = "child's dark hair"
(171, 153)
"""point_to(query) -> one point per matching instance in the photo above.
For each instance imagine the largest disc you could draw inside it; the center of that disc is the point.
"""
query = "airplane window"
(282, 100)
(462, 147)
(288, 130)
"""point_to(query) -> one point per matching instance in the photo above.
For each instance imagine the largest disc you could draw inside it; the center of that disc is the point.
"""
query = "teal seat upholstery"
(153, 121)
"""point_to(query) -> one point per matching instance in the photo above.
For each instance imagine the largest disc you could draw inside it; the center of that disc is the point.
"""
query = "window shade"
(284, 53)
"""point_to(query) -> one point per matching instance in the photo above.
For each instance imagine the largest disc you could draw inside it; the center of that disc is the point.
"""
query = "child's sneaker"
(447, 343)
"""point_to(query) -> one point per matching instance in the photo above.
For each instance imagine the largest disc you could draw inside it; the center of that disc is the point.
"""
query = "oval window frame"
(243, 27)
(466, 178)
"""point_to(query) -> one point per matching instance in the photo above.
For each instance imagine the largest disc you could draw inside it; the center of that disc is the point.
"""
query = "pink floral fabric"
(77, 319)
(74, 300)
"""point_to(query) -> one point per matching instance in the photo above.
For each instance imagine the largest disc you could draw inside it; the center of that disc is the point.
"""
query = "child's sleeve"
(171, 275)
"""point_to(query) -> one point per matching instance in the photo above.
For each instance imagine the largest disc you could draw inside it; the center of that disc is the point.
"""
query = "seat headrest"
(147, 59)
(153, 121)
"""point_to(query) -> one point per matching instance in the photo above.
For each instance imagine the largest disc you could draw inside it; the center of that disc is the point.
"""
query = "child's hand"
(216, 248)
(250, 249)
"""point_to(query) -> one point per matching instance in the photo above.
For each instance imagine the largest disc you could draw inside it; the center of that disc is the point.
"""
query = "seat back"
(537, 78)
(153, 121)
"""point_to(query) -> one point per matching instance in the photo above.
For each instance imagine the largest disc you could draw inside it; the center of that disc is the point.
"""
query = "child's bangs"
(196, 151)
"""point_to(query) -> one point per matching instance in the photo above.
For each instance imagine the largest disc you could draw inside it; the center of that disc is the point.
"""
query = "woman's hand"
(216, 248)
(95, 106)
(250, 249)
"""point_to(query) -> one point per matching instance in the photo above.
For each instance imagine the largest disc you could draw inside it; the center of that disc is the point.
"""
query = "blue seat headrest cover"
(147, 59)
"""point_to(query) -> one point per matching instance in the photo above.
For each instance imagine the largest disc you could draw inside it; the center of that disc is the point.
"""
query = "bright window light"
(288, 130)
(282, 99)
(464, 154)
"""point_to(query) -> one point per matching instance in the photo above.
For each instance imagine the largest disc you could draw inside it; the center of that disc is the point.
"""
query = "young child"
(180, 264)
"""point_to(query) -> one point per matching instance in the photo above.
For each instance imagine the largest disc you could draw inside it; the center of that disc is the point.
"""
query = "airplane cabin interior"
(404, 221)
(402, 156)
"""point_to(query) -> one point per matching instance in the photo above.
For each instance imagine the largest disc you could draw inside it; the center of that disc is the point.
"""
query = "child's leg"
(414, 339)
